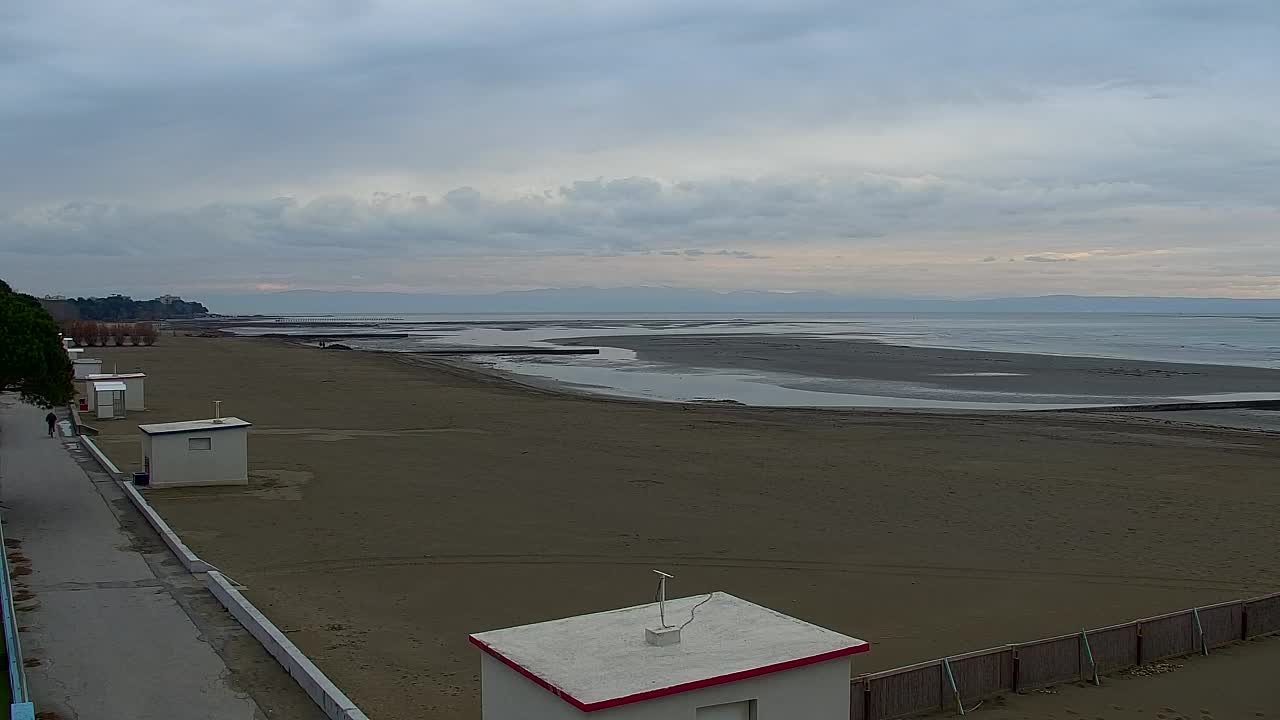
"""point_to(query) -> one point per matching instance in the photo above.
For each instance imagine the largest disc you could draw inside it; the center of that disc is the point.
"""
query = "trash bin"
(142, 479)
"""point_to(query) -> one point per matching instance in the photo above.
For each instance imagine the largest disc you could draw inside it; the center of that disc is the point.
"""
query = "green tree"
(32, 359)
(121, 308)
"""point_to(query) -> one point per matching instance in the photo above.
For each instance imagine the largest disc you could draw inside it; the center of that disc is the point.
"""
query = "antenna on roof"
(664, 634)
(217, 412)
(662, 596)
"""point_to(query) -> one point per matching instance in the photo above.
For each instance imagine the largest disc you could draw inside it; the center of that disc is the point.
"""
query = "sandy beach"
(398, 503)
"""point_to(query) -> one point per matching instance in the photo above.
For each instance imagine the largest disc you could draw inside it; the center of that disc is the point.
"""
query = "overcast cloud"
(890, 148)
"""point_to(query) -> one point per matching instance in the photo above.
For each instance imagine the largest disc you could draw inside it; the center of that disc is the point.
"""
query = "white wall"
(104, 403)
(173, 463)
(85, 369)
(134, 397)
(813, 692)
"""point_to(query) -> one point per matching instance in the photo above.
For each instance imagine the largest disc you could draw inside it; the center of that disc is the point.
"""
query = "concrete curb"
(80, 427)
(189, 560)
(335, 704)
(102, 459)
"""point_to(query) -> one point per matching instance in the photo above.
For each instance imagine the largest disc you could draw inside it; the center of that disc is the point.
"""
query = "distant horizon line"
(708, 291)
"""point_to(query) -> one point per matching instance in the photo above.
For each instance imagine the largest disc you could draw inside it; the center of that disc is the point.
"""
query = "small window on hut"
(203, 443)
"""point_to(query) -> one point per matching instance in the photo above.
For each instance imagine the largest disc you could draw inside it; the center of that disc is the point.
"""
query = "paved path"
(112, 639)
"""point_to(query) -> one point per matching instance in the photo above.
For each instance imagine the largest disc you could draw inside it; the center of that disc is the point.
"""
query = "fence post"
(1138, 644)
(1088, 651)
(1017, 666)
(946, 664)
(1204, 648)
(1244, 621)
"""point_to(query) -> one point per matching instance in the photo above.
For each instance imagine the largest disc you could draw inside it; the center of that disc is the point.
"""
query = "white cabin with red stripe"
(723, 658)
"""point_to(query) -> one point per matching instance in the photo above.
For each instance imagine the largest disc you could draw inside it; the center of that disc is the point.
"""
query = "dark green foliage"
(32, 359)
(121, 308)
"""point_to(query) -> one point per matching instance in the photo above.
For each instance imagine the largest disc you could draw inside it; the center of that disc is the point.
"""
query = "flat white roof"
(85, 360)
(110, 376)
(104, 385)
(601, 660)
(193, 425)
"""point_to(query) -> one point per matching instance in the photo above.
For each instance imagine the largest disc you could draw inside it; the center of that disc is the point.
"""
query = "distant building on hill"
(122, 308)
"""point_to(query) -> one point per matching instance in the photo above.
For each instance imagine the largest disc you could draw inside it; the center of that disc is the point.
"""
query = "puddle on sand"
(979, 374)
(652, 381)
(760, 389)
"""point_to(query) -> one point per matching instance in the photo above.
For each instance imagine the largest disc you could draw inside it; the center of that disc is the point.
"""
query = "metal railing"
(20, 707)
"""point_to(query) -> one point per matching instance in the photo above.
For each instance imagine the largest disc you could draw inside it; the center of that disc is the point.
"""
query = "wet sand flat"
(398, 504)
(1268, 420)
(968, 370)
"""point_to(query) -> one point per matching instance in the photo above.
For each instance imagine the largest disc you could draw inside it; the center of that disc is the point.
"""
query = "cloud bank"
(890, 148)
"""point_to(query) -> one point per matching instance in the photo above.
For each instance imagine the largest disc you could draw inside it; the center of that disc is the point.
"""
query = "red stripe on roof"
(674, 689)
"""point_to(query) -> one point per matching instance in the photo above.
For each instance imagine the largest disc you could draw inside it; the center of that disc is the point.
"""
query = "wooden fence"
(962, 680)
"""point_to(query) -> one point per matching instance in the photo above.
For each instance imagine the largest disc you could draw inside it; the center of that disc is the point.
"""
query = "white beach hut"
(108, 398)
(709, 657)
(135, 397)
(84, 367)
(196, 452)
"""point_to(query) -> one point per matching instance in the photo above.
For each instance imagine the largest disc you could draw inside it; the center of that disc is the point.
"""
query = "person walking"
(51, 420)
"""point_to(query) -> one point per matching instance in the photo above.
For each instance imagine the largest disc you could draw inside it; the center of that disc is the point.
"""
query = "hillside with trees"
(121, 308)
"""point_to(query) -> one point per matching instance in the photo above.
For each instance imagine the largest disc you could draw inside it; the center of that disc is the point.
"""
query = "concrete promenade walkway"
(108, 631)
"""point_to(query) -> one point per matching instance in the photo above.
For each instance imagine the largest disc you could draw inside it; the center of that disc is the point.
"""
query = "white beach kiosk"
(196, 452)
(108, 398)
(708, 657)
(135, 397)
(84, 366)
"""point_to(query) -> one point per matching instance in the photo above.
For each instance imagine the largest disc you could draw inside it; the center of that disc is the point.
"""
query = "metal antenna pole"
(662, 596)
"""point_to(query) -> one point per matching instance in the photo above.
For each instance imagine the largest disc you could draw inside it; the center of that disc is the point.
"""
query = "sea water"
(1225, 340)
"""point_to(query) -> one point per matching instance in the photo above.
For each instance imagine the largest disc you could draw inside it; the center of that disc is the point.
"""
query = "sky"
(880, 148)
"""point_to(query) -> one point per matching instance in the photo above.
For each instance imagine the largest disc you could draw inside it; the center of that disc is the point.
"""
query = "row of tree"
(87, 333)
(118, 308)
(32, 359)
